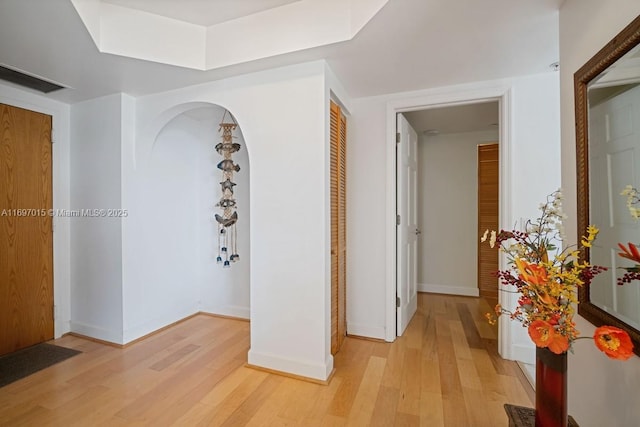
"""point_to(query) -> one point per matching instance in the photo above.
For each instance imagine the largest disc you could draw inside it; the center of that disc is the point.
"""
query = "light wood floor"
(444, 371)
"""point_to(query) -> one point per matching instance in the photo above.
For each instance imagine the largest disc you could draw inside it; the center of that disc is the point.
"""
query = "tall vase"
(551, 388)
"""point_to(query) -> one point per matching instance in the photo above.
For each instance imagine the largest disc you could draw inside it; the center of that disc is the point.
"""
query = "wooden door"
(26, 239)
(407, 223)
(488, 193)
(338, 141)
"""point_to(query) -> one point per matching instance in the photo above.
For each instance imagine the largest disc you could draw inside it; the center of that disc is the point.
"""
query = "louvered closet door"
(488, 205)
(26, 239)
(338, 141)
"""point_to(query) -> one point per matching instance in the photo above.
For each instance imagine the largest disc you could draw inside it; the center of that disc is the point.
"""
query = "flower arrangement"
(630, 251)
(547, 279)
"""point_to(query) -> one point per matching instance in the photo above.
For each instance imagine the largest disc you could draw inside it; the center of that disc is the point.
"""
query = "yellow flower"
(632, 198)
(592, 232)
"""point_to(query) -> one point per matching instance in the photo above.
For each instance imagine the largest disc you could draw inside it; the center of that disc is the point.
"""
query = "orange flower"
(491, 319)
(540, 332)
(613, 342)
(559, 344)
(631, 253)
(531, 273)
(544, 335)
(525, 300)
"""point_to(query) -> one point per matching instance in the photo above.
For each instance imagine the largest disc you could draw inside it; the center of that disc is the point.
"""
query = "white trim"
(92, 331)
(367, 331)
(529, 371)
(523, 353)
(158, 322)
(291, 366)
(443, 97)
(391, 291)
(231, 311)
(448, 289)
(504, 298)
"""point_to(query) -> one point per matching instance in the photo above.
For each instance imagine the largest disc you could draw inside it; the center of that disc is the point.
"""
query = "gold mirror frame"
(627, 39)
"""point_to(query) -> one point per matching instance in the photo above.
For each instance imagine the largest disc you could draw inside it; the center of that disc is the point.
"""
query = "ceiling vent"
(26, 80)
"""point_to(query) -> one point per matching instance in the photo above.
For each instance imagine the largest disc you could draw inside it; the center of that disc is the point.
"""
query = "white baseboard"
(61, 327)
(92, 331)
(230, 310)
(449, 290)
(529, 372)
(523, 353)
(368, 331)
(149, 326)
(296, 367)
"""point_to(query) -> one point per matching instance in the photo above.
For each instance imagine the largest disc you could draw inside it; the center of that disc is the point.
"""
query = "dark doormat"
(22, 363)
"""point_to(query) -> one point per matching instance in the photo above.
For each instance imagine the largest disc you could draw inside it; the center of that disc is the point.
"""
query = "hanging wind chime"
(227, 233)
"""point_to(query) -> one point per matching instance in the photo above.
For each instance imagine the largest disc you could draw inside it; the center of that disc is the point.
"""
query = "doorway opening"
(496, 130)
(455, 194)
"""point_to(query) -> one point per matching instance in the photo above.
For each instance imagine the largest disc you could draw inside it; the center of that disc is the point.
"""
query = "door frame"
(500, 93)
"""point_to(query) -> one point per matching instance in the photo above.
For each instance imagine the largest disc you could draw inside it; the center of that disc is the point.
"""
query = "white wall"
(533, 134)
(448, 211)
(60, 112)
(96, 243)
(366, 215)
(585, 27)
(115, 296)
(282, 115)
(181, 186)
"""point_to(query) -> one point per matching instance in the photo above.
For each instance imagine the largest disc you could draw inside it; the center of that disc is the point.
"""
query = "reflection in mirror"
(614, 162)
(607, 95)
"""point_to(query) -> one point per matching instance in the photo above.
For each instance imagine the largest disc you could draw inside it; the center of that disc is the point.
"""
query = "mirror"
(607, 102)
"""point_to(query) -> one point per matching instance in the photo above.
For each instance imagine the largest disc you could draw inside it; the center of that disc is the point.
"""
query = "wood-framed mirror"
(607, 107)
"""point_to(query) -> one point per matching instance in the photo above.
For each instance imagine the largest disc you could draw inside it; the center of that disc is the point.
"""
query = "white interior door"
(407, 229)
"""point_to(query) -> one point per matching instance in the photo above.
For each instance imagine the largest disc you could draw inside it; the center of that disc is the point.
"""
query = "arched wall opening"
(182, 187)
(289, 252)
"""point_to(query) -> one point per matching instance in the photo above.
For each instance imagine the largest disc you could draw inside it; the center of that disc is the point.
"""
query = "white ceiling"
(408, 45)
(257, 32)
(201, 12)
(460, 118)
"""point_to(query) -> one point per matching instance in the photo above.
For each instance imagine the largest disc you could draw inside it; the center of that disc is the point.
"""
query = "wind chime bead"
(229, 216)
(219, 259)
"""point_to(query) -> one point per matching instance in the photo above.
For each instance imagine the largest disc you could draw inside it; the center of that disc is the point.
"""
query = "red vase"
(551, 389)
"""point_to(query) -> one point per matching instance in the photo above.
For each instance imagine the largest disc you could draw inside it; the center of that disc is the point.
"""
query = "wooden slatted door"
(488, 193)
(26, 239)
(338, 142)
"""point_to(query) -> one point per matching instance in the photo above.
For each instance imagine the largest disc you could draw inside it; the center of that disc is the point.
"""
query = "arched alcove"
(181, 187)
